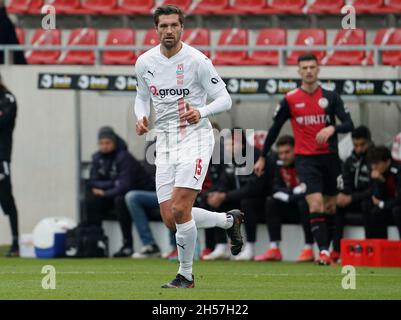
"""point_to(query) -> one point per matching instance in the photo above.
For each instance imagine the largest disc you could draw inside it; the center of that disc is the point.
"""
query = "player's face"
(106, 145)
(308, 70)
(169, 30)
(286, 154)
(360, 146)
(381, 166)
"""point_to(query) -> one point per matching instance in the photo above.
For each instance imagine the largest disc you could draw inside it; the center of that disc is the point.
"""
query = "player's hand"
(191, 115)
(142, 126)
(98, 192)
(260, 166)
(375, 201)
(324, 134)
(375, 174)
(343, 200)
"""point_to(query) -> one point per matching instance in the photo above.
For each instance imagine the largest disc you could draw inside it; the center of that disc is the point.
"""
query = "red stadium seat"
(250, 6)
(230, 37)
(288, 6)
(392, 6)
(346, 37)
(210, 7)
(68, 7)
(197, 37)
(326, 6)
(367, 6)
(387, 37)
(85, 36)
(41, 38)
(35, 6)
(120, 37)
(308, 37)
(151, 38)
(274, 37)
(182, 4)
(24, 6)
(20, 35)
(137, 6)
(100, 6)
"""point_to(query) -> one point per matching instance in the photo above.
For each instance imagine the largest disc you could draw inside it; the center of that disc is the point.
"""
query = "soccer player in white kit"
(178, 79)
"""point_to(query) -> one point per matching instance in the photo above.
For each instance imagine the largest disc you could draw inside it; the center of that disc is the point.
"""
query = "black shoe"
(124, 252)
(234, 233)
(13, 252)
(180, 282)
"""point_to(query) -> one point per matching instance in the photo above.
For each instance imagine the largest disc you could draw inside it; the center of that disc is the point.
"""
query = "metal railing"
(282, 50)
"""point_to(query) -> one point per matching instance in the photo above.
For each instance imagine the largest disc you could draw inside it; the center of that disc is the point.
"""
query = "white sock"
(186, 241)
(208, 219)
(274, 244)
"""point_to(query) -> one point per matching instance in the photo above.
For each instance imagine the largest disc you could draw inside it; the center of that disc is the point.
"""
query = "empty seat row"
(228, 37)
(115, 7)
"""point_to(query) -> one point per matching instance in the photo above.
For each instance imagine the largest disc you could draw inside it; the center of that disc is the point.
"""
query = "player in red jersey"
(312, 111)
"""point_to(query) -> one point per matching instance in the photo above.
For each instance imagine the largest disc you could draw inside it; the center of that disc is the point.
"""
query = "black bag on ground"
(86, 242)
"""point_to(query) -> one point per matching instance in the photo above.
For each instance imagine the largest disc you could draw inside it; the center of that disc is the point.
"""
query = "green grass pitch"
(141, 279)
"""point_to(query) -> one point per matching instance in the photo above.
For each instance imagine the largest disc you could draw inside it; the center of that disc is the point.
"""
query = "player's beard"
(172, 42)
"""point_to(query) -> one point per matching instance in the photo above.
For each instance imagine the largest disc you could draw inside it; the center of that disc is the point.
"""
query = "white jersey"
(188, 76)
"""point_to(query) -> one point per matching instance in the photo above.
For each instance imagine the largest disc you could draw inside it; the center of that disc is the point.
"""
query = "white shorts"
(184, 165)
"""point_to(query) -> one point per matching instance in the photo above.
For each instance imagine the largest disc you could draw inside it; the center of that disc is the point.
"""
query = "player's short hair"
(362, 132)
(285, 140)
(378, 154)
(307, 57)
(167, 10)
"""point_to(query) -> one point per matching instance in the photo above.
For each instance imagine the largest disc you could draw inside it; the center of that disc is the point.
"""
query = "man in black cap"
(9, 36)
(114, 172)
(8, 113)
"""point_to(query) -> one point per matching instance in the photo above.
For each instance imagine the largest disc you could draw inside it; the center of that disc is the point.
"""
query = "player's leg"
(303, 211)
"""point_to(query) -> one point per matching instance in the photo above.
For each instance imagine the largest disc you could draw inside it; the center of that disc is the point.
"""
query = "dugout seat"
(120, 37)
(367, 6)
(137, 6)
(273, 37)
(25, 6)
(99, 6)
(20, 35)
(288, 6)
(325, 7)
(210, 7)
(308, 37)
(230, 37)
(347, 37)
(40, 38)
(197, 37)
(387, 37)
(85, 36)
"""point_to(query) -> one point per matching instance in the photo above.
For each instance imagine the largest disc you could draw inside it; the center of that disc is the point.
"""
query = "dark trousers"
(7, 201)
(252, 208)
(397, 219)
(278, 212)
(101, 208)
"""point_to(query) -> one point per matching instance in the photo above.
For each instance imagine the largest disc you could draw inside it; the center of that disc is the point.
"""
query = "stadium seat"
(85, 36)
(347, 37)
(325, 7)
(367, 6)
(288, 6)
(151, 38)
(274, 37)
(210, 7)
(24, 6)
(137, 6)
(182, 4)
(43, 37)
(250, 7)
(20, 35)
(197, 37)
(309, 37)
(387, 37)
(68, 7)
(392, 6)
(100, 6)
(120, 37)
(229, 37)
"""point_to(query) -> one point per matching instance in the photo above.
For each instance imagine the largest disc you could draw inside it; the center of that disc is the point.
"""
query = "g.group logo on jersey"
(162, 93)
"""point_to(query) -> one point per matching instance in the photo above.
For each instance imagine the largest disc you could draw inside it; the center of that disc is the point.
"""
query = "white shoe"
(221, 252)
(147, 252)
(247, 253)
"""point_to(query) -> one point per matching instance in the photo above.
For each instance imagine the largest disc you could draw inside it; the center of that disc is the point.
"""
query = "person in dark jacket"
(355, 187)
(8, 114)
(287, 203)
(386, 191)
(239, 185)
(114, 172)
(9, 36)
